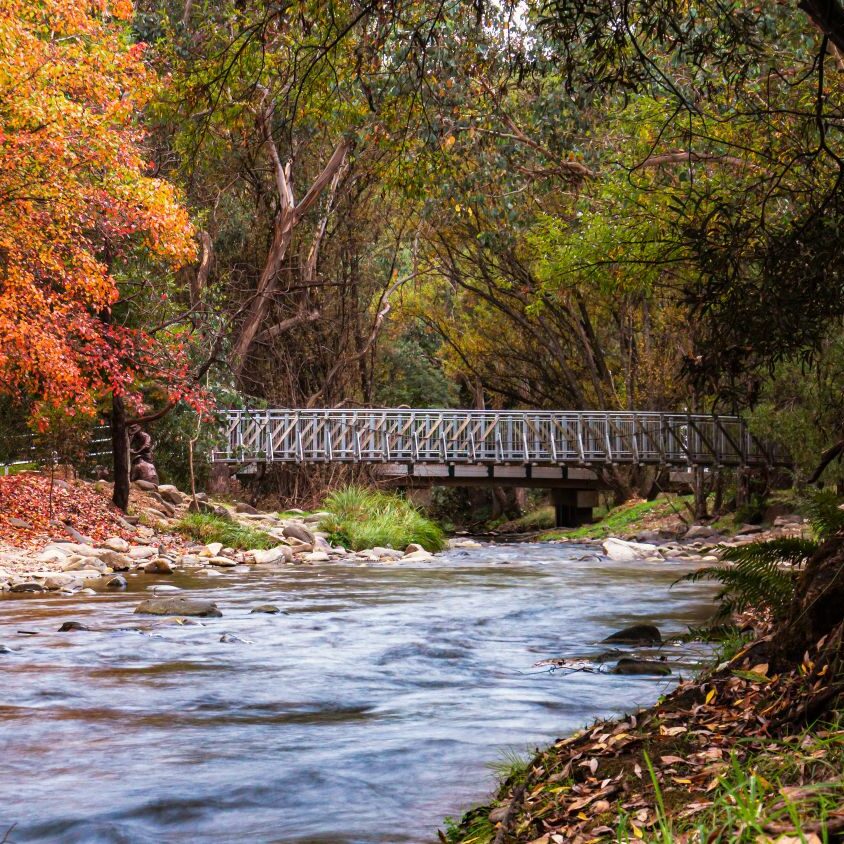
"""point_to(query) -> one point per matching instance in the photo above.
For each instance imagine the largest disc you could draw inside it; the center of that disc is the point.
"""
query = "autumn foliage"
(76, 202)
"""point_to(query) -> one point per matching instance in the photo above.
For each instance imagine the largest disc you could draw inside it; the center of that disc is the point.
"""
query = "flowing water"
(365, 713)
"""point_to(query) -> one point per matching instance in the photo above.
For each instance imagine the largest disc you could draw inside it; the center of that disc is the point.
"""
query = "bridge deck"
(490, 438)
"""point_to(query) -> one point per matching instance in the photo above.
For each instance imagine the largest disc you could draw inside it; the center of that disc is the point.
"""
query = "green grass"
(792, 784)
(542, 518)
(624, 519)
(362, 518)
(206, 528)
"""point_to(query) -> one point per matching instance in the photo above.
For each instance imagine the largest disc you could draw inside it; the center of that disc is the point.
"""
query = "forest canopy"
(537, 204)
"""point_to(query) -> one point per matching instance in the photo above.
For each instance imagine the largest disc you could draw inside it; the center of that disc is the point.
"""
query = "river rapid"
(368, 710)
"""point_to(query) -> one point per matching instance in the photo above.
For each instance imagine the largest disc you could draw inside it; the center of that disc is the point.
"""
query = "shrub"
(362, 518)
(206, 528)
(763, 574)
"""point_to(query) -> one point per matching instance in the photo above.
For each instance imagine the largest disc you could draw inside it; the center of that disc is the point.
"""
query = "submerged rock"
(68, 626)
(641, 666)
(28, 587)
(636, 634)
(231, 639)
(179, 606)
(270, 609)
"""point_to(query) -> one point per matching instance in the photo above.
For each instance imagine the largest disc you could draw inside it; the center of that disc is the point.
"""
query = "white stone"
(418, 556)
(272, 555)
(142, 552)
(413, 547)
(52, 554)
(214, 548)
(115, 543)
(223, 562)
(623, 551)
(316, 557)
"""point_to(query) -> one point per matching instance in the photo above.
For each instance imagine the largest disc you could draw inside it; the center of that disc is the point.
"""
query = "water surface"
(365, 713)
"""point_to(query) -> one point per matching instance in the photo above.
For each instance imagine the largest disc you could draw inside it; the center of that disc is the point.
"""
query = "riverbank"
(63, 536)
(736, 755)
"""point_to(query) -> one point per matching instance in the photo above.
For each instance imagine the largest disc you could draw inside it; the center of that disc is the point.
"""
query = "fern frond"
(825, 517)
(757, 578)
(793, 551)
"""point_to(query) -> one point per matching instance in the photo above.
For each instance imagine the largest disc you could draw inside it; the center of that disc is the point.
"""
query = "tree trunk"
(818, 604)
(120, 452)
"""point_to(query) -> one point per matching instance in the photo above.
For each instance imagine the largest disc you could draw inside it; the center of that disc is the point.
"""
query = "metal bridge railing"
(488, 437)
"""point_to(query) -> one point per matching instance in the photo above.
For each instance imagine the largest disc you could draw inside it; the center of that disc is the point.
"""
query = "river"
(367, 711)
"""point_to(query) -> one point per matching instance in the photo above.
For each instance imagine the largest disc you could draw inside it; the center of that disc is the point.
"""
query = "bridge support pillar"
(573, 507)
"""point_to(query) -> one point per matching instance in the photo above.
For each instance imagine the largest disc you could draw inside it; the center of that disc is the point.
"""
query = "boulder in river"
(68, 626)
(5, 649)
(641, 667)
(179, 606)
(269, 609)
(30, 586)
(118, 582)
(623, 551)
(636, 634)
(298, 531)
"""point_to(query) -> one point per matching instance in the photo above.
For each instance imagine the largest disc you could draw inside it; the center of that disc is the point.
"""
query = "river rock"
(273, 555)
(413, 548)
(116, 543)
(52, 554)
(316, 557)
(623, 551)
(322, 544)
(386, 553)
(69, 626)
(270, 609)
(636, 634)
(214, 548)
(198, 505)
(160, 565)
(641, 666)
(118, 582)
(222, 562)
(179, 606)
(117, 561)
(60, 580)
(5, 649)
(294, 530)
(29, 586)
(418, 556)
(243, 507)
(142, 552)
(231, 639)
(699, 532)
(171, 494)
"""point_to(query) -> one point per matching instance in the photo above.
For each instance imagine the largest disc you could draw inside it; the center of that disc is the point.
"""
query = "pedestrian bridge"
(487, 438)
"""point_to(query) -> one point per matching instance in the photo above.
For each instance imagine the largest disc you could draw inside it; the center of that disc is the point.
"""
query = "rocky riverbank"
(57, 555)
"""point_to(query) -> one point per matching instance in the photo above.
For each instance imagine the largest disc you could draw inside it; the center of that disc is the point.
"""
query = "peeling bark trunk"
(288, 216)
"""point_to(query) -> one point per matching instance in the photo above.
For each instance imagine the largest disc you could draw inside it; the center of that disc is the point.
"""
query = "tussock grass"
(362, 518)
(206, 528)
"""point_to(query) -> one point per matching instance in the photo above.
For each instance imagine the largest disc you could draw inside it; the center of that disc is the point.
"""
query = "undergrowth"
(791, 788)
(206, 528)
(625, 518)
(362, 518)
